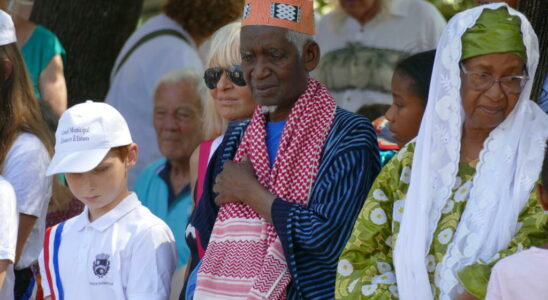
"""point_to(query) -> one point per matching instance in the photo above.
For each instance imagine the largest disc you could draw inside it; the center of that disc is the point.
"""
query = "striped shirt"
(313, 236)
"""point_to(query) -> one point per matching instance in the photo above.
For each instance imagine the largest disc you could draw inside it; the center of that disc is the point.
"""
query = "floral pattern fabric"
(365, 268)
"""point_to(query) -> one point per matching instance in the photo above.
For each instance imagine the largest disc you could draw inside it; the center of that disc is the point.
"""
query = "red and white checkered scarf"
(245, 258)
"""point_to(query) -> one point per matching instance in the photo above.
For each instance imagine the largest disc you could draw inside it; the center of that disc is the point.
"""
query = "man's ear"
(6, 68)
(132, 155)
(311, 55)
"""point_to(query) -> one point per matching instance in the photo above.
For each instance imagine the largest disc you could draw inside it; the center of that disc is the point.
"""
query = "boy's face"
(102, 188)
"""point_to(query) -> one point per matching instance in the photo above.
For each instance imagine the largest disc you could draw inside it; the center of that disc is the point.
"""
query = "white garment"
(8, 229)
(410, 26)
(520, 276)
(132, 88)
(140, 248)
(505, 175)
(25, 168)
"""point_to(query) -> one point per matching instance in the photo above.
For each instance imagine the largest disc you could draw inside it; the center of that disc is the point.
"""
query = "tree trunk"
(93, 33)
(536, 12)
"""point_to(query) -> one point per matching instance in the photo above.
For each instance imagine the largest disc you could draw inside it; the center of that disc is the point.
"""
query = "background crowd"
(223, 117)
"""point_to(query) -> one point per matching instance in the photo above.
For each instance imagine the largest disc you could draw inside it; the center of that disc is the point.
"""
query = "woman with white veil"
(459, 197)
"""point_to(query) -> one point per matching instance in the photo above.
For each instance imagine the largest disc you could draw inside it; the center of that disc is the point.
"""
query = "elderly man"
(163, 186)
(166, 42)
(300, 173)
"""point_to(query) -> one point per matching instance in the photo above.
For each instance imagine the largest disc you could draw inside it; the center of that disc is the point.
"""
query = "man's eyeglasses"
(483, 81)
(234, 73)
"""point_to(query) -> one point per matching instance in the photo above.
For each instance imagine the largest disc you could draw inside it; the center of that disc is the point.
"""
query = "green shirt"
(366, 267)
(38, 51)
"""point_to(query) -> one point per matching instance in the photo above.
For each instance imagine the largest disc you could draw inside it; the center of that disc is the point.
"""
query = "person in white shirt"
(166, 42)
(115, 249)
(8, 240)
(25, 150)
(523, 275)
(361, 42)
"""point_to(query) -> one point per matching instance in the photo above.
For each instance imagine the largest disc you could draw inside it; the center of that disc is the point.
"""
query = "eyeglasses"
(234, 73)
(482, 81)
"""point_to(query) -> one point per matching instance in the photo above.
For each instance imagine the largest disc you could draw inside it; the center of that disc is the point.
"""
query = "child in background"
(8, 240)
(116, 248)
(523, 275)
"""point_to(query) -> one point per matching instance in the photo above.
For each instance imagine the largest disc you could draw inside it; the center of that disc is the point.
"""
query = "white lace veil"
(508, 168)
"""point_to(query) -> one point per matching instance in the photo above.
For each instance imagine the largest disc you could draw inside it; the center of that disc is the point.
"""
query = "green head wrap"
(495, 31)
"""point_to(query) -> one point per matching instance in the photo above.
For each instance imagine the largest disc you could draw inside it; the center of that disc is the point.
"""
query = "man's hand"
(466, 296)
(237, 183)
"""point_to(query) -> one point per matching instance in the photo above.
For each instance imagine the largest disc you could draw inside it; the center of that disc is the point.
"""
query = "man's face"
(176, 118)
(272, 67)
(358, 9)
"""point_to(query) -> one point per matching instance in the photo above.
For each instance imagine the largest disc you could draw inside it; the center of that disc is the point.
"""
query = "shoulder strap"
(203, 160)
(146, 38)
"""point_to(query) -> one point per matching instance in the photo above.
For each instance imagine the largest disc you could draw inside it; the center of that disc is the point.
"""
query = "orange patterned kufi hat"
(297, 15)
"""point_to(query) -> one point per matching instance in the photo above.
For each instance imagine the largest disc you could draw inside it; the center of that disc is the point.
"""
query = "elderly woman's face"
(486, 104)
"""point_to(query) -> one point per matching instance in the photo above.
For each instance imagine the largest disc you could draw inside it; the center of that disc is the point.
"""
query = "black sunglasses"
(234, 73)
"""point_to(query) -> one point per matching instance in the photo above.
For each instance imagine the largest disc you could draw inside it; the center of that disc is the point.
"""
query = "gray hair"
(298, 39)
(190, 75)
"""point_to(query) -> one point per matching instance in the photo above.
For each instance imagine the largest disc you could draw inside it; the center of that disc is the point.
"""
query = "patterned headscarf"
(495, 31)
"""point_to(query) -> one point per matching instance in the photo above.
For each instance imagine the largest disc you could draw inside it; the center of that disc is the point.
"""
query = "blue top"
(38, 51)
(154, 191)
(543, 101)
(312, 236)
(273, 136)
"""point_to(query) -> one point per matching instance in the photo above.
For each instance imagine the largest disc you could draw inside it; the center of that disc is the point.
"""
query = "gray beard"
(269, 109)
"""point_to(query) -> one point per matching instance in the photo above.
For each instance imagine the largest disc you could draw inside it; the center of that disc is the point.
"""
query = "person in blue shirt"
(164, 185)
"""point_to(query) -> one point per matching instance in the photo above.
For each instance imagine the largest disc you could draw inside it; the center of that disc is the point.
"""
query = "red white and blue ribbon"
(52, 242)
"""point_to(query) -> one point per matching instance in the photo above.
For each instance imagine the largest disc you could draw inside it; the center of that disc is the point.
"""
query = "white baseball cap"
(7, 30)
(85, 134)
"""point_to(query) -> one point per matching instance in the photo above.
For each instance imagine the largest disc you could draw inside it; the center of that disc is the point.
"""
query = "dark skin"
(277, 76)
(543, 199)
(485, 110)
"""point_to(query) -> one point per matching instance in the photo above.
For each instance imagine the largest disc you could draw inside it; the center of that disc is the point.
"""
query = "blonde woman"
(229, 100)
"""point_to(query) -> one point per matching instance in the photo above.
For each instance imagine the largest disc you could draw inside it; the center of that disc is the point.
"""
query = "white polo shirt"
(128, 253)
(8, 234)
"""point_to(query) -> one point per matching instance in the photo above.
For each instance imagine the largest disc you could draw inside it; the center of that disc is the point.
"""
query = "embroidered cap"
(7, 30)
(297, 15)
(85, 134)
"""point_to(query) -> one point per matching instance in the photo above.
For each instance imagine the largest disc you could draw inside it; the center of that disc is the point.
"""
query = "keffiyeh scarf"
(245, 258)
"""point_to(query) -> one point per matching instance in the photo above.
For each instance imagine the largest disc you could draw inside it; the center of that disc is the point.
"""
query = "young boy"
(115, 249)
(523, 275)
(8, 238)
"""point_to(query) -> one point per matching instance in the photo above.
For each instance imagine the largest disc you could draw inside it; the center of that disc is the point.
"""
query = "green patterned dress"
(365, 267)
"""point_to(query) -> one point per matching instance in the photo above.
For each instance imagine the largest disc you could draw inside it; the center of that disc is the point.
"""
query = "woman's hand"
(466, 296)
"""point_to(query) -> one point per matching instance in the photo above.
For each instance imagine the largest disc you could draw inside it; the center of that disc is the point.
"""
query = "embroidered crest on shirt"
(101, 265)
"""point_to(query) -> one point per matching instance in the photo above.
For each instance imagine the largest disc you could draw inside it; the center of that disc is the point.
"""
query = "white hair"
(190, 75)
(298, 39)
